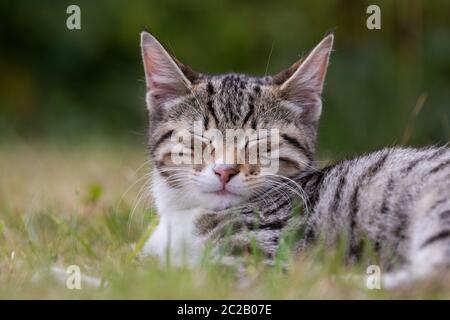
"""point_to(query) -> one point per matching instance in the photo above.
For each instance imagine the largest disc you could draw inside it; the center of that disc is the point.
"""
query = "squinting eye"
(201, 138)
(255, 142)
(252, 142)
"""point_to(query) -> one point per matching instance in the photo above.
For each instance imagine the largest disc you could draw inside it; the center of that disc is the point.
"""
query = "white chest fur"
(174, 240)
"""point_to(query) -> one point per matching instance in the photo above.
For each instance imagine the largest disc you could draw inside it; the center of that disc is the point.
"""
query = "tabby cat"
(397, 198)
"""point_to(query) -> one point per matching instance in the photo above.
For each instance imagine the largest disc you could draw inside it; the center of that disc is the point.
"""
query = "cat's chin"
(220, 200)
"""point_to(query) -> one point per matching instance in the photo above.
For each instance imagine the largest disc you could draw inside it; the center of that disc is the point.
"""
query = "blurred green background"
(62, 85)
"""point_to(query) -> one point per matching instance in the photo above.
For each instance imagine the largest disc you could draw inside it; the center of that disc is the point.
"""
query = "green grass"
(72, 205)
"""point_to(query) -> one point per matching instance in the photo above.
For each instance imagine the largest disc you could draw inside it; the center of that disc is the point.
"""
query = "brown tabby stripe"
(440, 167)
(354, 208)
(339, 187)
(386, 196)
(312, 183)
(254, 124)
(226, 111)
(249, 113)
(277, 207)
(411, 165)
(440, 236)
(414, 163)
(444, 215)
(438, 203)
(276, 224)
(205, 121)
(234, 114)
(213, 113)
(355, 247)
(162, 139)
(294, 142)
(402, 225)
(373, 169)
(210, 89)
(438, 153)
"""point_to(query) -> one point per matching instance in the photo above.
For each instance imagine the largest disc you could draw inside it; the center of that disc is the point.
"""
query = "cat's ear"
(167, 79)
(301, 84)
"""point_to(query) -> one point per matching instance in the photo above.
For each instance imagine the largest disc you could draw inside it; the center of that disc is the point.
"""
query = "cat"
(398, 198)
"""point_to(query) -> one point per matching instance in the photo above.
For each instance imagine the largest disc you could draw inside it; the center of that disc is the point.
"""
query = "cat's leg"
(430, 244)
(429, 249)
(175, 241)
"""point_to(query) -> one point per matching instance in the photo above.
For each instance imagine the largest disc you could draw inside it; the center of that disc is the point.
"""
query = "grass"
(72, 205)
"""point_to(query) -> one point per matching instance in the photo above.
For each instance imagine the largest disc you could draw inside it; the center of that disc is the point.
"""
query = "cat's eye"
(253, 142)
(201, 137)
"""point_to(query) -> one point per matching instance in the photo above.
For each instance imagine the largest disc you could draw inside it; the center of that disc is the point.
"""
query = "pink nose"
(225, 172)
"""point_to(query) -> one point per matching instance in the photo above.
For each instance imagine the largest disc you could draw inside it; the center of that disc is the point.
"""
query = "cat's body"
(397, 198)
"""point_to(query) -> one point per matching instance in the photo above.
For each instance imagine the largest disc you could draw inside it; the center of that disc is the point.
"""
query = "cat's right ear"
(302, 83)
(167, 79)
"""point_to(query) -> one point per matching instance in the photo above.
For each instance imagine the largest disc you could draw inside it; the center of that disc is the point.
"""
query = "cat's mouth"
(221, 199)
(223, 192)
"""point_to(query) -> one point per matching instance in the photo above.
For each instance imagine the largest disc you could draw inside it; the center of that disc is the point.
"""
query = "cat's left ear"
(302, 83)
(167, 79)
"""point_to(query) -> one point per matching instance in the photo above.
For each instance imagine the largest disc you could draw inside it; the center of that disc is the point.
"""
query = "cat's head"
(185, 107)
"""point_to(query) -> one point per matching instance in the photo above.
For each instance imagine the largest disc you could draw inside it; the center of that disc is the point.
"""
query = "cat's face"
(216, 141)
